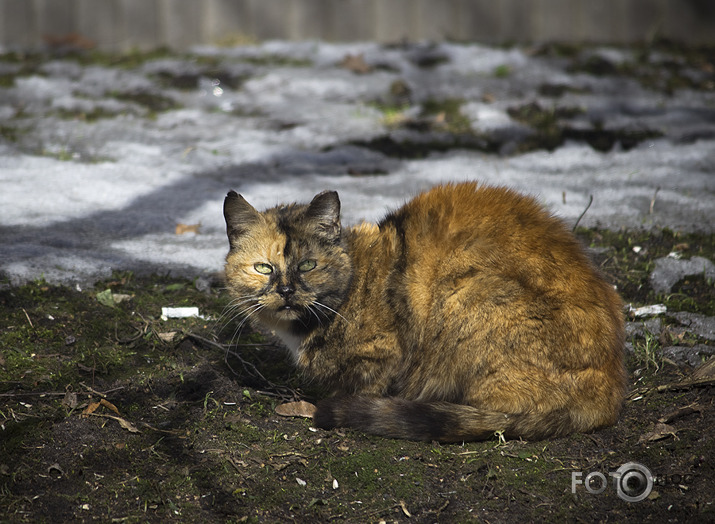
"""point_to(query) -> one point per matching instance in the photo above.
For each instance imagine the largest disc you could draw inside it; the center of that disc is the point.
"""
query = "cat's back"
(489, 224)
(495, 245)
(458, 212)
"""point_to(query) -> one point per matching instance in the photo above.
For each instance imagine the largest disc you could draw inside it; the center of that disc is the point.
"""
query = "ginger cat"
(468, 311)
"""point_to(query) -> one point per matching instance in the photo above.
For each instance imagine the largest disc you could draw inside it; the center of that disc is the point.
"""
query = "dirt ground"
(109, 413)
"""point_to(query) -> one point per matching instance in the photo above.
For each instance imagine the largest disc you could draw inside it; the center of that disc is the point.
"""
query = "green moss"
(502, 71)
(393, 113)
(11, 133)
(273, 60)
(448, 114)
(129, 60)
(95, 114)
(661, 66)
(154, 102)
(546, 121)
(7, 80)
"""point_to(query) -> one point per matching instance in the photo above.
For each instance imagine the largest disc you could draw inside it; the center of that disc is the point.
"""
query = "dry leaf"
(56, 467)
(70, 400)
(90, 409)
(167, 336)
(122, 422)
(118, 298)
(404, 509)
(703, 375)
(296, 409)
(126, 424)
(356, 64)
(705, 370)
(93, 406)
(107, 404)
(182, 229)
(659, 432)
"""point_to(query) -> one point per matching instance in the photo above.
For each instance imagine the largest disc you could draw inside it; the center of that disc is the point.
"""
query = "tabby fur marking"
(468, 311)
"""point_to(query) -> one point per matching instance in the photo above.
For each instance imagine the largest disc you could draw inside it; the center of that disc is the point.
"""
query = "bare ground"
(109, 413)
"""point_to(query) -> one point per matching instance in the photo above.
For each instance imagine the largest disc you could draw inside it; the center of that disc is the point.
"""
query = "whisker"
(331, 310)
(315, 313)
(247, 313)
(229, 312)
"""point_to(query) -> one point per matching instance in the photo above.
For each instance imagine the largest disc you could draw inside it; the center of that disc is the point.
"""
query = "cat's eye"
(306, 265)
(263, 269)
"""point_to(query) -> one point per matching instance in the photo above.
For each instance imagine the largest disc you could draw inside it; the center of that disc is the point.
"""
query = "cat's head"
(287, 263)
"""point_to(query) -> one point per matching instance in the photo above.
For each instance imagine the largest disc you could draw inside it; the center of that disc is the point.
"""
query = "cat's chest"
(284, 332)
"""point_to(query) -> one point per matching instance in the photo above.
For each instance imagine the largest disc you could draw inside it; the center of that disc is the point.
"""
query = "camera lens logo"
(634, 482)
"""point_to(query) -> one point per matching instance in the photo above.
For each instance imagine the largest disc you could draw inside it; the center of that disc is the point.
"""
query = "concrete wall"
(120, 25)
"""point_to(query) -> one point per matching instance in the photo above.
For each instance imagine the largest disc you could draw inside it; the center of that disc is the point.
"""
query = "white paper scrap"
(179, 312)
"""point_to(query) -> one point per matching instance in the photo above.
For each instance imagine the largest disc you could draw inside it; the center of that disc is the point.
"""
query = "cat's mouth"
(288, 311)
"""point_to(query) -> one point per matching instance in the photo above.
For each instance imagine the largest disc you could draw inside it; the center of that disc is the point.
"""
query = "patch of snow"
(79, 198)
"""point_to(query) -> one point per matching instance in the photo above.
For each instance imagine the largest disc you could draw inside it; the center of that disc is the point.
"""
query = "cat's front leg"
(351, 367)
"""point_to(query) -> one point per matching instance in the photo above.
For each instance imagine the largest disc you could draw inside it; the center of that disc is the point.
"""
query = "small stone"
(700, 325)
(691, 356)
(668, 271)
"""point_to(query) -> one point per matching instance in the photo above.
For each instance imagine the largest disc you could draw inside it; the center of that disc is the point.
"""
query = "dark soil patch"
(554, 128)
(421, 146)
(439, 131)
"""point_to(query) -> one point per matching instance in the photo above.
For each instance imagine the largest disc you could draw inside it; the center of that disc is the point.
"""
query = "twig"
(220, 346)
(681, 412)
(174, 432)
(439, 509)
(99, 393)
(38, 394)
(652, 201)
(140, 333)
(122, 421)
(590, 201)
(248, 367)
(687, 384)
(371, 513)
(28, 318)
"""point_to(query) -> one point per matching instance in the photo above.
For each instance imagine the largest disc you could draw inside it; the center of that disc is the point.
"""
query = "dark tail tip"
(325, 416)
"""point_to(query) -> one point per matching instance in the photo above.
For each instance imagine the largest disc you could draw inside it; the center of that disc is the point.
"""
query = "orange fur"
(469, 310)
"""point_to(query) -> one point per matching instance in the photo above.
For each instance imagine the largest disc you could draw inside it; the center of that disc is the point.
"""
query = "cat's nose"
(286, 291)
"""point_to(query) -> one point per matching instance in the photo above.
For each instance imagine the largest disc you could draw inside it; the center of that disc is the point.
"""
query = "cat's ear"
(324, 212)
(239, 215)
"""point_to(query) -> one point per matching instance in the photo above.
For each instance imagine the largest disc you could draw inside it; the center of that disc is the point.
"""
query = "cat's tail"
(441, 421)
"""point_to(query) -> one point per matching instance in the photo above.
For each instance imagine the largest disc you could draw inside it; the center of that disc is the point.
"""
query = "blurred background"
(122, 25)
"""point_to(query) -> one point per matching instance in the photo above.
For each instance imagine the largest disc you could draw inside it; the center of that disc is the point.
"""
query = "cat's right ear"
(324, 211)
(239, 215)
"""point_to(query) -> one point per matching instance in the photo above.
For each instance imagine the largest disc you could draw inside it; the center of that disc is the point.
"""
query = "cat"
(468, 312)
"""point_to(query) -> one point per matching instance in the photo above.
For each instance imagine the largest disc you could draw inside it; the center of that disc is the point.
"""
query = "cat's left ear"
(324, 211)
(240, 215)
